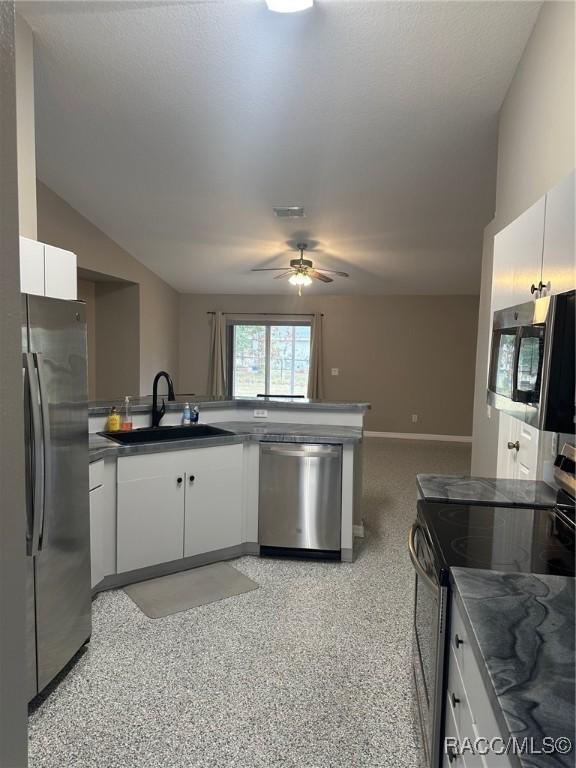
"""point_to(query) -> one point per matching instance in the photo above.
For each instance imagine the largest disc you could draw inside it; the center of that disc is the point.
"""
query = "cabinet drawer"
(458, 705)
(96, 474)
(473, 714)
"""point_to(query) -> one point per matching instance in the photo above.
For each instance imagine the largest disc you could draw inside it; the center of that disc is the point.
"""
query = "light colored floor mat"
(181, 591)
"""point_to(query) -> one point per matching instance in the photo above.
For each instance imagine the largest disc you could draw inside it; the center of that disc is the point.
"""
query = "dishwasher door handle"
(304, 452)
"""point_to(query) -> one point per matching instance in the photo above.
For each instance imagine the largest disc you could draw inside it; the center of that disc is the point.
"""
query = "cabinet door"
(518, 258)
(558, 265)
(527, 455)
(150, 521)
(31, 266)
(508, 432)
(96, 553)
(60, 273)
(213, 500)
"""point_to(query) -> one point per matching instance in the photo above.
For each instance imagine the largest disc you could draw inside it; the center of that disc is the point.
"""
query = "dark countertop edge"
(104, 409)
(116, 449)
(497, 709)
(508, 502)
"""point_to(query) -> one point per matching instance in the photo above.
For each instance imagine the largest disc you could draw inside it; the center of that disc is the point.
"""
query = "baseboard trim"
(118, 580)
(418, 436)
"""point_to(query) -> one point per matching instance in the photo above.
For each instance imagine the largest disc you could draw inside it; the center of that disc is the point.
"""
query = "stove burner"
(482, 519)
(478, 550)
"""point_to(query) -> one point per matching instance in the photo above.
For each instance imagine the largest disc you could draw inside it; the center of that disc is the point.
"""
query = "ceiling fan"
(301, 271)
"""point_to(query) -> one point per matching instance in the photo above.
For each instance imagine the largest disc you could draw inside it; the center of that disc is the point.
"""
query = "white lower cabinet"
(97, 569)
(469, 717)
(213, 507)
(96, 522)
(150, 521)
(177, 504)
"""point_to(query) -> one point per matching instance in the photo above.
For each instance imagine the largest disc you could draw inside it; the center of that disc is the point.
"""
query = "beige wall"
(403, 354)
(157, 340)
(535, 151)
(117, 319)
(26, 137)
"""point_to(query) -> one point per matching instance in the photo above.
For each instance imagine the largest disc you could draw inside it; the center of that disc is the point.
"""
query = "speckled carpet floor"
(309, 671)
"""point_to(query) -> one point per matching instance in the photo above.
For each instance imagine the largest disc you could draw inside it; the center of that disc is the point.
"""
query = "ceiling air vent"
(289, 211)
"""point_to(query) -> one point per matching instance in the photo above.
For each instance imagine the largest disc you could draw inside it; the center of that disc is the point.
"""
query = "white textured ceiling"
(175, 127)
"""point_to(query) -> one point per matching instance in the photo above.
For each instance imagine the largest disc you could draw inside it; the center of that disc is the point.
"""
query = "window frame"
(268, 323)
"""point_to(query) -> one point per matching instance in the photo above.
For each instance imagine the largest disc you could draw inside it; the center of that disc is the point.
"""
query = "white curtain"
(315, 374)
(217, 369)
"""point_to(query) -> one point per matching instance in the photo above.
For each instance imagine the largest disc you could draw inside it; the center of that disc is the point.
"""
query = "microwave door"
(528, 364)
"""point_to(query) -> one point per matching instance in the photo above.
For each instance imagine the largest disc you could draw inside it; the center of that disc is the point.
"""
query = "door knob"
(179, 480)
(533, 289)
(191, 478)
(514, 446)
(455, 700)
(458, 641)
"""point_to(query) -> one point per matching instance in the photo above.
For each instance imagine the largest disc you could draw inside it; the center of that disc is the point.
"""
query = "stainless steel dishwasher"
(300, 500)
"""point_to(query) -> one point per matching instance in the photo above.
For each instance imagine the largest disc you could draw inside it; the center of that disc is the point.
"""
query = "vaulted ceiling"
(176, 127)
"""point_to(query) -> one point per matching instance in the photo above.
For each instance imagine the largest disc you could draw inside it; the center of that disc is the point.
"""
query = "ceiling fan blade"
(284, 274)
(319, 276)
(334, 272)
(269, 269)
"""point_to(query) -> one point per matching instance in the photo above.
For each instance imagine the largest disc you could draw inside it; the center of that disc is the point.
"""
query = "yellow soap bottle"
(113, 423)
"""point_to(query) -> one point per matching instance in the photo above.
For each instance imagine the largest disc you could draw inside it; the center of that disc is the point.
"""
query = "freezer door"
(57, 339)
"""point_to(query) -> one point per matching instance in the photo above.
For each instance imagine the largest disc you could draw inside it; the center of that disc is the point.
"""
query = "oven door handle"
(414, 557)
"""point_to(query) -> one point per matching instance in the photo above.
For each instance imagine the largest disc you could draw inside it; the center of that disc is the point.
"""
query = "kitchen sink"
(164, 434)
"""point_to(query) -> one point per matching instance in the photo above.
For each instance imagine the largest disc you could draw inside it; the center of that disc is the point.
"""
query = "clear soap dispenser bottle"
(126, 415)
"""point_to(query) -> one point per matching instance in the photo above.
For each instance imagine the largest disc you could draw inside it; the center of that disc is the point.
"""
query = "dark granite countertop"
(522, 632)
(144, 404)
(100, 446)
(463, 489)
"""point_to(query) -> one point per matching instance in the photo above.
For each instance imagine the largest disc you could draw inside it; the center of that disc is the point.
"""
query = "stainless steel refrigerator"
(57, 501)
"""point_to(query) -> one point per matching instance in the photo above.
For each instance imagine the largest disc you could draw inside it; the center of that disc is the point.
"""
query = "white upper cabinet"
(558, 266)
(60, 267)
(47, 271)
(31, 266)
(518, 258)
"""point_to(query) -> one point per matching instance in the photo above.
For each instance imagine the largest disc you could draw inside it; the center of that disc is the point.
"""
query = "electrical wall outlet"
(414, 418)
(260, 413)
(335, 371)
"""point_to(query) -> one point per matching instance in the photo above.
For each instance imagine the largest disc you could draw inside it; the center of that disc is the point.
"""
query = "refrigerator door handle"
(47, 444)
(36, 503)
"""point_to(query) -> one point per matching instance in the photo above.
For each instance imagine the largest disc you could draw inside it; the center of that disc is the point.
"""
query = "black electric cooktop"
(514, 539)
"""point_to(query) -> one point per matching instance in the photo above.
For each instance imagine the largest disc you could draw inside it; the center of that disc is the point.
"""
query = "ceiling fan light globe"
(307, 280)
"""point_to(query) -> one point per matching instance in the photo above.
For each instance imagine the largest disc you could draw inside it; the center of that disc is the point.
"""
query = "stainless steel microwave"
(532, 362)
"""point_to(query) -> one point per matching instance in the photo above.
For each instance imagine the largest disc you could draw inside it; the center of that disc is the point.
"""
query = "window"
(269, 358)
